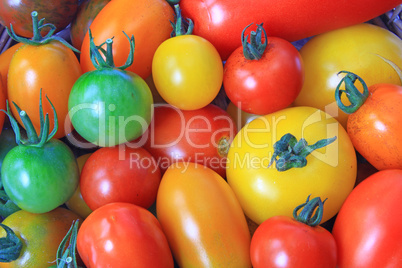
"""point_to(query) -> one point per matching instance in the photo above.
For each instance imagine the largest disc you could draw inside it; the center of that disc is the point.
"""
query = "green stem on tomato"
(10, 246)
(307, 215)
(355, 97)
(102, 58)
(181, 26)
(37, 38)
(255, 49)
(291, 153)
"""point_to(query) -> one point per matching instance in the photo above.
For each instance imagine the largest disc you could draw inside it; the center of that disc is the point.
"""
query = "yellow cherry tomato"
(363, 49)
(263, 191)
(76, 203)
(187, 71)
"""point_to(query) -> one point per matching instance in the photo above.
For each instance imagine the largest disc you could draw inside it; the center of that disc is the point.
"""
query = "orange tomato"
(148, 21)
(202, 218)
(5, 59)
(2, 105)
(52, 67)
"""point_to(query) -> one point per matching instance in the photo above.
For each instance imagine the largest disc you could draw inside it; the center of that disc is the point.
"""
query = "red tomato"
(222, 21)
(123, 235)
(367, 229)
(282, 241)
(148, 21)
(120, 174)
(267, 81)
(375, 127)
(200, 136)
(202, 218)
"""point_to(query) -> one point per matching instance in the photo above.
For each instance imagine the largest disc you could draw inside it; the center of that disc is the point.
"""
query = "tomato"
(374, 121)
(120, 174)
(282, 241)
(2, 105)
(187, 71)
(367, 229)
(148, 21)
(86, 13)
(40, 235)
(202, 219)
(363, 49)
(222, 21)
(263, 191)
(17, 13)
(7, 142)
(199, 136)
(124, 235)
(5, 59)
(110, 105)
(41, 173)
(29, 74)
(256, 74)
(76, 202)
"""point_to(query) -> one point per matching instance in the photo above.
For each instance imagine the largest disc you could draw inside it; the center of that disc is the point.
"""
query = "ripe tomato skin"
(367, 229)
(202, 219)
(123, 235)
(86, 13)
(134, 17)
(2, 105)
(187, 71)
(265, 192)
(5, 59)
(355, 49)
(120, 174)
(263, 86)
(59, 13)
(200, 136)
(281, 241)
(222, 21)
(52, 67)
(40, 234)
(76, 202)
(375, 128)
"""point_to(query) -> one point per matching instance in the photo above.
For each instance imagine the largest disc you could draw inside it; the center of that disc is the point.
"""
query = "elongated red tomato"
(202, 219)
(222, 21)
(148, 21)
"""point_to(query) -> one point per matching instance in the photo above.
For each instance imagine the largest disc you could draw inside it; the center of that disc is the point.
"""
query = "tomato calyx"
(66, 254)
(254, 49)
(180, 26)
(10, 246)
(32, 137)
(355, 97)
(306, 214)
(292, 153)
(7, 206)
(106, 61)
(37, 38)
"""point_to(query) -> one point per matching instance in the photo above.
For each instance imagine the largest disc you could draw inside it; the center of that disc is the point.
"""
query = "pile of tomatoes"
(200, 134)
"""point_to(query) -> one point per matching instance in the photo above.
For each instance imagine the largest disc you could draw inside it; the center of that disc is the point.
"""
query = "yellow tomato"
(363, 49)
(263, 191)
(76, 203)
(202, 219)
(187, 71)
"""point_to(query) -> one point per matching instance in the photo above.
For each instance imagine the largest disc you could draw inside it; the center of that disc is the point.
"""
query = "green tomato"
(39, 179)
(7, 142)
(110, 106)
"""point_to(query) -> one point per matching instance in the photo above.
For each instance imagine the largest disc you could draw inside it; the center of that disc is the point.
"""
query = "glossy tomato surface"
(367, 229)
(202, 218)
(40, 235)
(52, 68)
(363, 49)
(187, 71)
(18, 13)
(123, 235)
(263, 191)
(200, 136)
(148, 21)
(120, 174)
